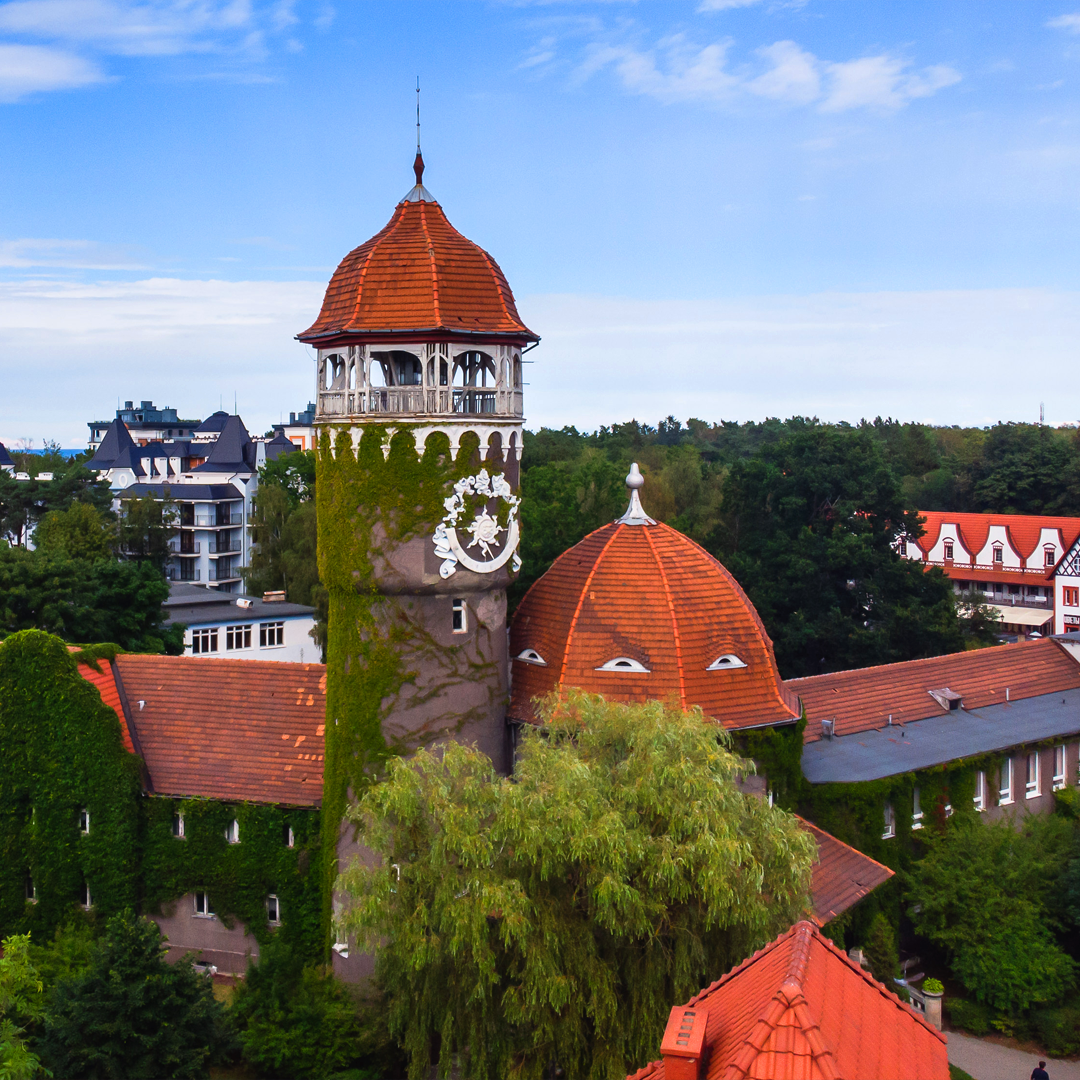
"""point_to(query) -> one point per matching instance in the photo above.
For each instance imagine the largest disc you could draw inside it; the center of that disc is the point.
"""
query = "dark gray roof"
(188, 492)
(180, 448)
(116, 446)
(192, 605)
(233, 451)
(214, 422)
(922, 744)
(279, 445)
(5, 457)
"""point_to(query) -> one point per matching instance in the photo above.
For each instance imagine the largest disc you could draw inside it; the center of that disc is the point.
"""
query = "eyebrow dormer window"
(531, 656)
(624, 663)
(726, 662)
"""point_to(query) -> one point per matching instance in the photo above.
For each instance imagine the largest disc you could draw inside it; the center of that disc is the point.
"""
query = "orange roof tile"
(648, 593)
(1024, 530)
(105, 681)
(842, 876)
(245, 730)
(801, 1010)
(863, 699)
(417, 274)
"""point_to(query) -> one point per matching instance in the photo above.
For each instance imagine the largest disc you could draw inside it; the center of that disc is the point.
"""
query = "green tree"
(555, 917)
(145, 527)
(21, 1005)
(80, 532)
(132, 1014)
(881, 951)
(988, 895)
(24, 502)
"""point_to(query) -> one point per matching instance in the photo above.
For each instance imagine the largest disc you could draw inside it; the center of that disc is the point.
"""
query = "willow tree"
(555, 918)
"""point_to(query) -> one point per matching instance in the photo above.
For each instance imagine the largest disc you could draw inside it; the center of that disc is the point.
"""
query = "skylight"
(723, 663)
(623, 663)
(531, 656)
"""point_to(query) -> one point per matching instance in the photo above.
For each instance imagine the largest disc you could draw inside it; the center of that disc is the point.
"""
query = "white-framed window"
(232, 832)
(273, 910)
(1059, 767)
(85, 898)
(459, 622)
(31, 889)
(1005, 784)
(948, 549)
(204, 640)
(890, 823)
(178, 826)
(980, 790)
(290, 836)
(999, 553)
(238, 637)
(203, 908)
(916, 809)
(84, 821)
(271, 635)
(1048, 556)
(1032, 786)
(902, 546)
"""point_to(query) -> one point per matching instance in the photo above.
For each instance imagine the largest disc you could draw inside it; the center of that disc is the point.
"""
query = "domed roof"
(637, 611)
(418, 274)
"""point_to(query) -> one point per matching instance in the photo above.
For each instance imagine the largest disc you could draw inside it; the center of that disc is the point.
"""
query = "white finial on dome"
(635, 514)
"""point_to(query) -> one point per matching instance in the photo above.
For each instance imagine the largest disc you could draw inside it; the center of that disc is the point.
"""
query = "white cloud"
(881, 82)
(1065, 22)
(67, 254)
(27, 69)
(725, 5)
(793, 76)
(674, 71)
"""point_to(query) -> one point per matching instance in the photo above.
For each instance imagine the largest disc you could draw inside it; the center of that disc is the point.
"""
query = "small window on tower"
(460, 622)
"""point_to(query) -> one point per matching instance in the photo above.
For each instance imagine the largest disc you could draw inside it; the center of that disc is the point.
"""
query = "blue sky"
(731, 209)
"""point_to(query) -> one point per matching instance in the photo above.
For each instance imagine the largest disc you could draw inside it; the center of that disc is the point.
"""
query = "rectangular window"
(1014, 590)
(204, 641)
(232, 832)
(999, 555)
(1070, 596)
(290, 836)
(178, 825)
(31, 890)
(1050, 560)
(86, 899)
(460, 622)
(948, 549)
(1059, 767)
(84, 821)
(980, 790)
(902, 546)
(273, 910)
(238, 637)
(916, 810)
(202, 905)
(1005, 792)
(890, 823)
(271, 634)
(1032, 786)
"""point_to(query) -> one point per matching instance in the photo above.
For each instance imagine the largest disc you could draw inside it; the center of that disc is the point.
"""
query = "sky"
(728, 209)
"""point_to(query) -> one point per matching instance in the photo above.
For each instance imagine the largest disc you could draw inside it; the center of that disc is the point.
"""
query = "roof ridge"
(431, 261)
(806, 823)
(674, 619)
(753, 958)
(581, 600)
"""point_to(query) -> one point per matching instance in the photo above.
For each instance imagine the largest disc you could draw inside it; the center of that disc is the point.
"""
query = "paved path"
(989, 1061)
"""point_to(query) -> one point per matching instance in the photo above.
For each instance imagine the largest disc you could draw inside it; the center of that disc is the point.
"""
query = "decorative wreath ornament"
(484, 530)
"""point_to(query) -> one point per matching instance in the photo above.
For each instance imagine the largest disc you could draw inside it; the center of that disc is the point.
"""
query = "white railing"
(406, 400)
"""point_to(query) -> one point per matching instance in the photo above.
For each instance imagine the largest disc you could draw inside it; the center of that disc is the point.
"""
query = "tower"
(419, 415)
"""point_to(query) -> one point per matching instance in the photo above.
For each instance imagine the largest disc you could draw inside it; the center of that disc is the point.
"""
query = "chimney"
(683, 1048)
(277, 596)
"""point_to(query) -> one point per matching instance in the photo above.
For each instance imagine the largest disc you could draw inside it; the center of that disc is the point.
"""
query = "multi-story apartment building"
(300, 430)
(146, 424)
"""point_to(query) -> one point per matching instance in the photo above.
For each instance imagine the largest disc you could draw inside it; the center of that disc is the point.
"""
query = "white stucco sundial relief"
(484, 530)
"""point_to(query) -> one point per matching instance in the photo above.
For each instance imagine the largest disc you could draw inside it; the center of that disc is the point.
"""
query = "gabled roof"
(232, 452)
(842, 876)
(116, 446)
(243, 730)
(1024, 530)
(5, 457)
(649, 594)
(279, 445)
(419, 274)
(801, 1010)
(863, 699)
(214, 422)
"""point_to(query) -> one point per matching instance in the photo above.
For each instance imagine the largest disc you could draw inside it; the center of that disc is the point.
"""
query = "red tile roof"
(842, 876)
(801, 1010)
(863, 699)
(105, 681)
(648, 593)
(418, 274)
(247, 730)
(1023, 530)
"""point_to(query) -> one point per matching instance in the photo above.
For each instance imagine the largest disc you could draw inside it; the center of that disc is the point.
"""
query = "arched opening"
(334, 372)
(352, 374)
(517, 372)
(474, 369)
(377, 372)
(407, 369)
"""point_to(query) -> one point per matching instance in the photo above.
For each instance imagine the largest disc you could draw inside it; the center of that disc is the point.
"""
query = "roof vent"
(683, 1046)
(244, 602)
(531, 656)
(828, 727)
(948, 699)
(623, 663)
(726, 662)
(276, 596)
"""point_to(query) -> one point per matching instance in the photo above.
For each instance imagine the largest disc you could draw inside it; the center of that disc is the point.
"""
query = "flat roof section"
(922, 744)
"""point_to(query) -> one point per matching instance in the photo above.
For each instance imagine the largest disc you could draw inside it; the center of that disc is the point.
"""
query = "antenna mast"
(418, 114)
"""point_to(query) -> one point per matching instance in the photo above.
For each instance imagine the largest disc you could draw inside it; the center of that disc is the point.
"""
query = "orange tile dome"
(637, 611)
(418, 275)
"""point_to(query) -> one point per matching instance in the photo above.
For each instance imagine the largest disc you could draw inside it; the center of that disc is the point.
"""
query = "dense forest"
(804, 514)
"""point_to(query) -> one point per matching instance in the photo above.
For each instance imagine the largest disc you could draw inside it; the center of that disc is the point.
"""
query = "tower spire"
(418, 163)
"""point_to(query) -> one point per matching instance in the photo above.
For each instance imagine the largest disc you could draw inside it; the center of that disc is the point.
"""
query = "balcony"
(182, 573)
(223, 547)
(178, 547)
(421, 401)
(212, 521)
(222, 573)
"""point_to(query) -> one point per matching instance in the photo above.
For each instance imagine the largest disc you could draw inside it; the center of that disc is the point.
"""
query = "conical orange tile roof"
(417, 275)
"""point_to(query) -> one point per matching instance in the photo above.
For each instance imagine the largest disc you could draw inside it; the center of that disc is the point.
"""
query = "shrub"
(933, 986)
(881, 952)
(1058, 1030)
(971, 1016)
